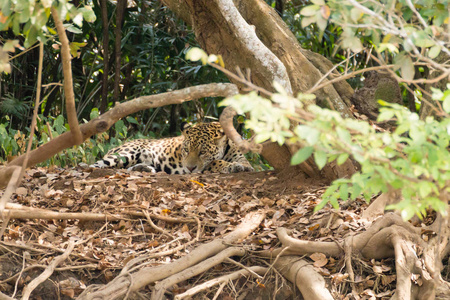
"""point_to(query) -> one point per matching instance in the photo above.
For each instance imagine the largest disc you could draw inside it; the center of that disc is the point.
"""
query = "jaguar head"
(202, 144)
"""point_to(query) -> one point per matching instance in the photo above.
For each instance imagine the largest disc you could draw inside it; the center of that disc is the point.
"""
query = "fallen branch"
(53, 215)
(21, 212)
(106, 120)
(47, 272)
(220, 280)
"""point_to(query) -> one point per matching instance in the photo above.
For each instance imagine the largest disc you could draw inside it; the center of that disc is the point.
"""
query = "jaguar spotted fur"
(201, 147)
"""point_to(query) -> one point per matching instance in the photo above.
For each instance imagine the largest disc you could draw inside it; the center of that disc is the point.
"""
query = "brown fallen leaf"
(319, 259)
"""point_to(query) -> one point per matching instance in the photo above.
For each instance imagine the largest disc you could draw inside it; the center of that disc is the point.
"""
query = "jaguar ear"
(184, 126)
(221, 139)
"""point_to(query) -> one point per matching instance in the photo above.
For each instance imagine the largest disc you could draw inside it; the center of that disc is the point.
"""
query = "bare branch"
(68, 81)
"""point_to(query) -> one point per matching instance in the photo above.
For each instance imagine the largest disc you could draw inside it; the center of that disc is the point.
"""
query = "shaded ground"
(176, 204)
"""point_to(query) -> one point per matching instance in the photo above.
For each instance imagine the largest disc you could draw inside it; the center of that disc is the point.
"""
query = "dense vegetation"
(153, 45)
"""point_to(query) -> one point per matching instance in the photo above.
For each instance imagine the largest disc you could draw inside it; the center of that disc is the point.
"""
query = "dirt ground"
(180, 208)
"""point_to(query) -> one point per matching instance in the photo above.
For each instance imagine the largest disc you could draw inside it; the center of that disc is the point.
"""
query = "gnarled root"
(300, 272)
(417, 274)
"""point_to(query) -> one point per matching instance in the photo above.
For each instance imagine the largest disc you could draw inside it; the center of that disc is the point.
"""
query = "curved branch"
(226, 120)
(300, 272)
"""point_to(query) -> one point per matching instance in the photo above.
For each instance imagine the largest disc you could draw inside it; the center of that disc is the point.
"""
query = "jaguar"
(201, 147)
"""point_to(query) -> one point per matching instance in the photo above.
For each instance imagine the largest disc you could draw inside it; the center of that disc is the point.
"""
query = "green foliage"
(153, 48)
(408, 31)
(13, 142)
(414, 158)
(28, 19)
(13, 106)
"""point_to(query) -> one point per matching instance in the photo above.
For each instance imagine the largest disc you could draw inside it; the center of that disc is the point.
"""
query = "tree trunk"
(249, 34)
(104, 103)
(120, 14)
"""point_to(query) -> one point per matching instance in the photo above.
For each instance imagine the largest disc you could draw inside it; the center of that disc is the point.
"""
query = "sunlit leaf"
(301, 155)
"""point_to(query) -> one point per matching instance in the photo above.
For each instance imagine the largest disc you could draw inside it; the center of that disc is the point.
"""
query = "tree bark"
(251, 35)
(104, 9)
(120, 12)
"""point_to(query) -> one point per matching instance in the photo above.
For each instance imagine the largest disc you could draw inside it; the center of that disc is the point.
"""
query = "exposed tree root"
(221, 280)
(47, 272)
(300, 272)
(389, 236)
(162, 286)
(128, 282)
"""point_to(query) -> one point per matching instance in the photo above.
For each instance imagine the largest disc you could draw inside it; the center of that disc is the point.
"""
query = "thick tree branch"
(300, 272)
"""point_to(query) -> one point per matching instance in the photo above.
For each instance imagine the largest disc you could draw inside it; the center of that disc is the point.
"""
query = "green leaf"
(446, 104)
(31, 37)
(310, 10)
(385, 114)
(306, 21)
(301, 155)
(342, 158)
(88, 14)
(94, 113)
(425, 188)
(407, 69)
(73, 29)
(353, 43)
(421, 39)
(196, 54)
(132, 120)
(344, 135)
(434, 51)
(320, 158)
(387, 46)
(343, 192)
